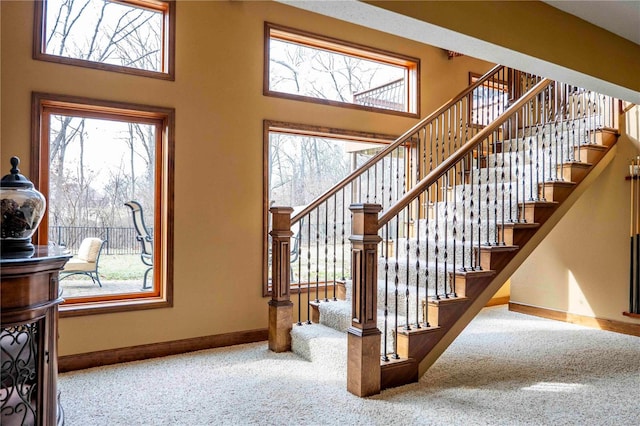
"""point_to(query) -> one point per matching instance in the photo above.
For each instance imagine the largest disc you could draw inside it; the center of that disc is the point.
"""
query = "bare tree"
(101, 31)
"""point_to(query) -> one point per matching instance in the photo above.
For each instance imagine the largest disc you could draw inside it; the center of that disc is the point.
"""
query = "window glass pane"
(302, 168)
(106, 32)
(489, 101)
(300, 69)
(96, 166)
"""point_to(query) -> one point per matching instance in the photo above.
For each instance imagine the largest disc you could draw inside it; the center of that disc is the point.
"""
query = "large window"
(131, 36)
(303, 162)
(92, 159)
(315, 68)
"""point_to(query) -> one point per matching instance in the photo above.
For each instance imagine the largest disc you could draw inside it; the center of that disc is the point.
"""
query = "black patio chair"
(145, 238)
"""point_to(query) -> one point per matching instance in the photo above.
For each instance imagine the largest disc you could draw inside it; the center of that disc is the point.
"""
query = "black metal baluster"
(396, 292)
(496, 135)
(375, 183)
(426, 259)
(446, 229)
(343, 209)
(435, 239)
(309, 270)
(398, 176)
(300, 273)
(464, 178)
(502, 191)
(479, 219)
(335, 220)
(487, 189)
(326, 250)
(528, 124)
(510, 154)
(472, 206)
(417, 222)
(581, 123)
(368, 183)
(454, 235)
(385, 357)
(408, 255)
(318, 254)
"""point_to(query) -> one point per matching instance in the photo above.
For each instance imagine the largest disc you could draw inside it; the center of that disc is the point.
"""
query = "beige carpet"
(505, 369)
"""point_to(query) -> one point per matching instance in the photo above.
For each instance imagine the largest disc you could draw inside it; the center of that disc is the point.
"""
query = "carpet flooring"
(504, 369)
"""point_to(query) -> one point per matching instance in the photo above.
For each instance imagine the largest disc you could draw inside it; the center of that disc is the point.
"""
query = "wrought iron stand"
(29, 298)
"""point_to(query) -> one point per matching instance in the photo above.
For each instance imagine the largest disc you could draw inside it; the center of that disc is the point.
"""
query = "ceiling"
(615, 16)
(619, 17)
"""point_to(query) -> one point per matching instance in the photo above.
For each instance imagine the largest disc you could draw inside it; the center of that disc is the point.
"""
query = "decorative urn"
(22, 209)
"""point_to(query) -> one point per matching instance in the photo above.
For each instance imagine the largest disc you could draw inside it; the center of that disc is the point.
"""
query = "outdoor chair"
(87, 261)
(144, 237)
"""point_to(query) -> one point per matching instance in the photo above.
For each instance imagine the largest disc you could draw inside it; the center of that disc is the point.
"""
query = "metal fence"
(119, 240)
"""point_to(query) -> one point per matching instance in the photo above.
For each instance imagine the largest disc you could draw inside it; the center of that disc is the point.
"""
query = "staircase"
(438, 222)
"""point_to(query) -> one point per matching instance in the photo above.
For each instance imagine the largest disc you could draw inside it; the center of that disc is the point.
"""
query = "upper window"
(319, 69)
(489, 100)
(130, 36)
(105, 169)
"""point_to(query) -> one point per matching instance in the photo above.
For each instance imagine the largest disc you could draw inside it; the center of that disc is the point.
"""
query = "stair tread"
(522, 225)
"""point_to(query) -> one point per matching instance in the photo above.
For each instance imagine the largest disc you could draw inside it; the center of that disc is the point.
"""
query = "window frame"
(43, 106)
(287, 34)
(166, 7)
(300, 130)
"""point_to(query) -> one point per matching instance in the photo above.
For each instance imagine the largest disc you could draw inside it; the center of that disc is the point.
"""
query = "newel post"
(280, 305)
(363, 363)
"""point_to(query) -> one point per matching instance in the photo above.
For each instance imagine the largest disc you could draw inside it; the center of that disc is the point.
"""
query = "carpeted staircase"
(541, 166)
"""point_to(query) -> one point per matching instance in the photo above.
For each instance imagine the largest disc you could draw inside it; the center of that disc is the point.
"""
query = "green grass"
(119, 267)
(122, 267)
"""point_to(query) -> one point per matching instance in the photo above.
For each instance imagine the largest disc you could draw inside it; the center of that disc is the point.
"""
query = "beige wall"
(582, 266)
(219, 106)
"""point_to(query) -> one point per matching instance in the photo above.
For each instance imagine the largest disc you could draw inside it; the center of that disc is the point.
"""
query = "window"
(130, 36)
(303, 162)
(314, 68)
(92, 157)
(489, 100)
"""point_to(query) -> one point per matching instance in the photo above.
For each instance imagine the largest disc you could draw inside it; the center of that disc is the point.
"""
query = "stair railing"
(460, 210)
(323, 256)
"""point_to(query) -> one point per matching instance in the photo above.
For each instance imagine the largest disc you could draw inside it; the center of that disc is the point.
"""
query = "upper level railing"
(387, 96)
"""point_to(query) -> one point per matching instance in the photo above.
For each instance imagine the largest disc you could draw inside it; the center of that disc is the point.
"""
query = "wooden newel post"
(280, 305)
(363, 364)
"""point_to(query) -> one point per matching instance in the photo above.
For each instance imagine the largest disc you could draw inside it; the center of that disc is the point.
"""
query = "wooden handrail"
(401, 140)
(465, 149)
(628, 108)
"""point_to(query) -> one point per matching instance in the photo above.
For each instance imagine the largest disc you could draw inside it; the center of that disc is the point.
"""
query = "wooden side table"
(29, 299)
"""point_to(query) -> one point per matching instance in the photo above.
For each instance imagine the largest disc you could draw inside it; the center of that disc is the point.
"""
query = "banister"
(465, 149)
(628, 108)
(401, 140)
